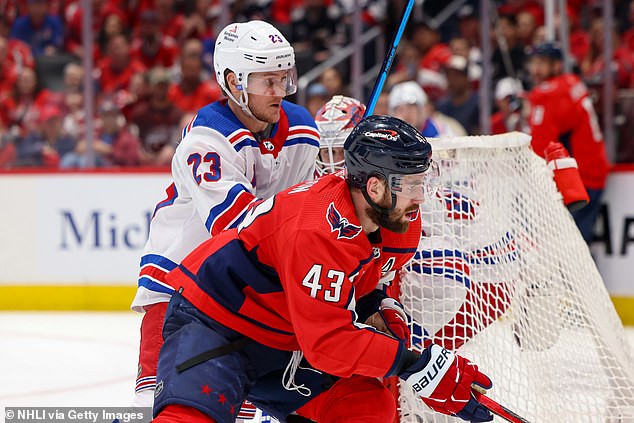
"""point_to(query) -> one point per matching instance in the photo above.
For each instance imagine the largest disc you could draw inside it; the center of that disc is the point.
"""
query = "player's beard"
(267, 114)
(394, 221)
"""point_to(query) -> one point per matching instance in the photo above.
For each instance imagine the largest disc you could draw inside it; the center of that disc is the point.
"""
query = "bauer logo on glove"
(432, 374)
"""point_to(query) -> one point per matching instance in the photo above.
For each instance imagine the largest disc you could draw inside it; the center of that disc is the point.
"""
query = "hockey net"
(503, 277)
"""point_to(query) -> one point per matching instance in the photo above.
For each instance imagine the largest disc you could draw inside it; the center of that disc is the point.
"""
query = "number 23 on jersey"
(195, 160)
(331, 286)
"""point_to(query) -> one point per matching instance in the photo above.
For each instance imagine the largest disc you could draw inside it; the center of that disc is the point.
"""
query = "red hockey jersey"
(562, 111)
(289, 277)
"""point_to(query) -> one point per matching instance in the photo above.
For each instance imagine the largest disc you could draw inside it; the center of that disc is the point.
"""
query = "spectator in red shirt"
(20, 110)
(116, 69)
(158, 119)
(152, 47)
(19, 53)
(192, 93)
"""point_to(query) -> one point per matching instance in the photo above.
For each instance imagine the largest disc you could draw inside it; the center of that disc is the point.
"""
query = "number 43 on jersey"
(333, 279)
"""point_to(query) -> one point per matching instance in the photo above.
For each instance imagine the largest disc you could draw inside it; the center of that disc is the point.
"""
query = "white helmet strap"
(243, 102)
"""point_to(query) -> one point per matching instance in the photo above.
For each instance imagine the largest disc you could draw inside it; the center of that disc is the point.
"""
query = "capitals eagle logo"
(340, 224)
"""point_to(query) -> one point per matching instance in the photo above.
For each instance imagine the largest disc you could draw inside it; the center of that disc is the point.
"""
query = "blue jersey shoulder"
(218, 116)
(297, 115)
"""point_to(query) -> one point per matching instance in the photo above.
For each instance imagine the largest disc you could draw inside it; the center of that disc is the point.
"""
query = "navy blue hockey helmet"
(389, 147)
(548, 49)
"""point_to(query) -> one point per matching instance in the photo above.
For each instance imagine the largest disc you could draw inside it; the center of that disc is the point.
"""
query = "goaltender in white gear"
(252, 145)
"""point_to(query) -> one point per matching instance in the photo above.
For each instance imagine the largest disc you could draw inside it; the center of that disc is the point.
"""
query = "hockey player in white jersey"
(253, 144)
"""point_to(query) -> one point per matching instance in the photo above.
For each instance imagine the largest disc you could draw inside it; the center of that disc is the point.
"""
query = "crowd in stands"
(153, 67)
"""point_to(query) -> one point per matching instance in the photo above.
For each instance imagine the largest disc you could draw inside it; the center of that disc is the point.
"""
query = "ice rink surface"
(61, 359)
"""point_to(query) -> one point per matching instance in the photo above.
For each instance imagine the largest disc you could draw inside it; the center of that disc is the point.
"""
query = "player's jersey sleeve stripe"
(223, 214)
(158, 261)
(153, 272)
(234, 214)
(145, 383)
(305, 129)
(241, 138)
(301, 140)
(189, 126)
(247, 142)
(154, 285)
(172, 194)
(302, 134)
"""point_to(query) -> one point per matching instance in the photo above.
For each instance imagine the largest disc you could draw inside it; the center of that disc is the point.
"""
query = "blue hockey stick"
(387, 63)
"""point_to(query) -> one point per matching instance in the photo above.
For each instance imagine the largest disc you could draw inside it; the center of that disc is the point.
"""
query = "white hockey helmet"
(335, 120)
(253, 47)
(408, 92)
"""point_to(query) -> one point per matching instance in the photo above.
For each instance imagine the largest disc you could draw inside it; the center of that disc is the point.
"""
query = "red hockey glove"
(566, 175)
(393, 314)
(443, 380)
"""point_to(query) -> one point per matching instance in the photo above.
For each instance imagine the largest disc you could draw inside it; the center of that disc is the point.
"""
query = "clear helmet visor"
(419, 186)
(275, 83)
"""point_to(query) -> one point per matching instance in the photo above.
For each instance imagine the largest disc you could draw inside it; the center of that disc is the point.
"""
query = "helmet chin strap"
(243, 103)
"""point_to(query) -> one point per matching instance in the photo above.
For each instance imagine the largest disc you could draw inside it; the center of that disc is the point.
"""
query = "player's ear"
(376, 188)
(232, 81)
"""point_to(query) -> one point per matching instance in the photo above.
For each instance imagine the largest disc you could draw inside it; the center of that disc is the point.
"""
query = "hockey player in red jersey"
(253, 144)
(562, 112)
(267, 311)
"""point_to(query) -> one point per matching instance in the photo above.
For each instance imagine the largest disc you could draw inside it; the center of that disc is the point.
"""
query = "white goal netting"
(503, 277)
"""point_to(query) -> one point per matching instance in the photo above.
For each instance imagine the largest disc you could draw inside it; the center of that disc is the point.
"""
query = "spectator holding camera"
(508, 98)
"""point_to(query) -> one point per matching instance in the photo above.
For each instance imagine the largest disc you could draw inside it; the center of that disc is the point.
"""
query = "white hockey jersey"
(218, 169)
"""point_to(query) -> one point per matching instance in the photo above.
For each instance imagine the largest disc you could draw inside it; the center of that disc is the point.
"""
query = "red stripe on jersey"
(307, 131)
(203, 302)
(239, 205)
(153, 272)
(191, 122)
(239, 135)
